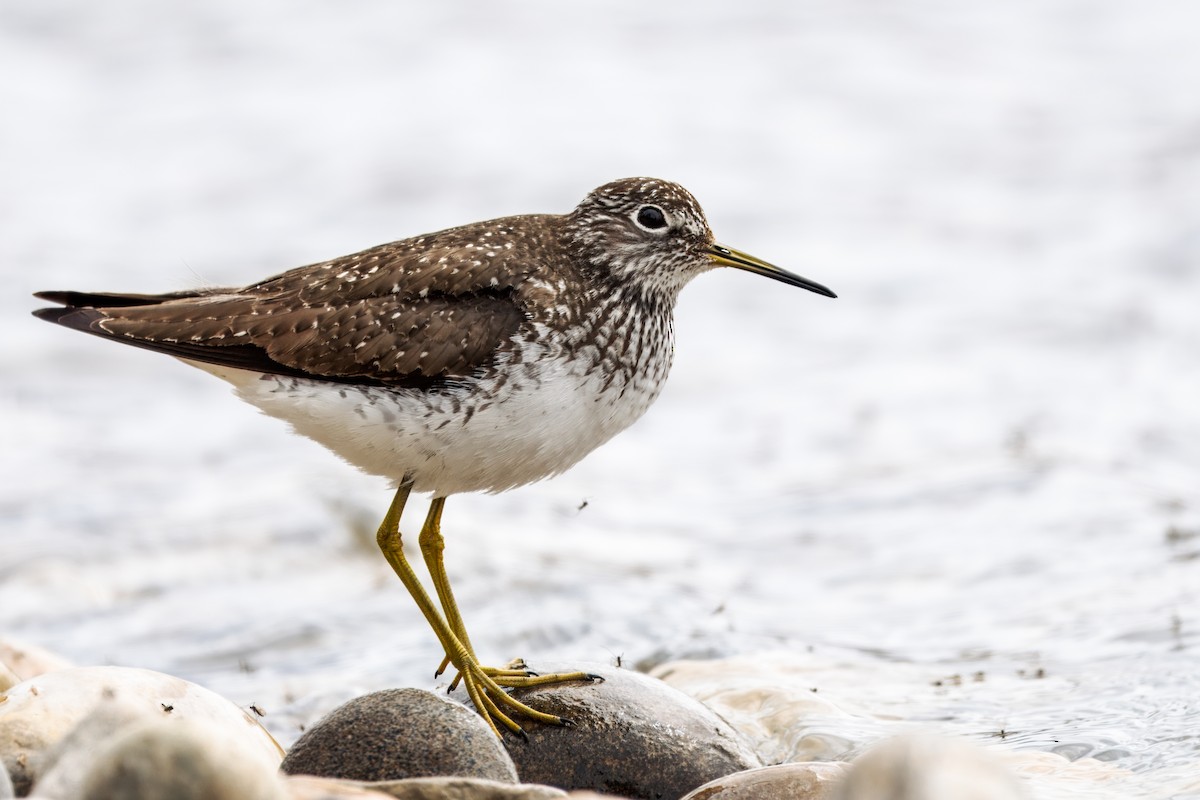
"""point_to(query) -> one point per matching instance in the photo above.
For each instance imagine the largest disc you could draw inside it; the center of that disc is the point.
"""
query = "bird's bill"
(728, 257)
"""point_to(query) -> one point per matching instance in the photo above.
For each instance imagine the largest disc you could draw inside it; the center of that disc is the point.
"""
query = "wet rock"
(927, 768)
(400, 733)
(813, 780)
(771, 702)
(167, 759)
(633, 735)
(38, 713)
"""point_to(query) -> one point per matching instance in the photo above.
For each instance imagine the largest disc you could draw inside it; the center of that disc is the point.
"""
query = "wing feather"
(434, 307)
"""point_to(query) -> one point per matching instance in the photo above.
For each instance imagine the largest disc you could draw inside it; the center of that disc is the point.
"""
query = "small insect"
(257, 710)
(582, 506)
(167, 707)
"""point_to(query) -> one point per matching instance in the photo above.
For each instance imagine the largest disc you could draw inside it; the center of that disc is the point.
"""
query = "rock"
(24, 661)
(173, 759)
(65, 764)
(452, 788)
(632, 735)
(36, 714)
(309, 787)
(812, 780)
(770, 700)
(8, 678)
(312, 787)
(920, 767)
(400, 733)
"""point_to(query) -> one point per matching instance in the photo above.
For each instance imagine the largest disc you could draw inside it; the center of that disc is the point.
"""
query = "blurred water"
(983, 458)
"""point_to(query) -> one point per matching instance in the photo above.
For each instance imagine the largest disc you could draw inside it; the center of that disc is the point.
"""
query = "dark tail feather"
(108, 299)
(240, 356)
(81, 319)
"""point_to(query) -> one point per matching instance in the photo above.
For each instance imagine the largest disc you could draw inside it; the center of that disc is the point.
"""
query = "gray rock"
(811, 780)
(464, 789)
(633, 735)
(308, 787)
(311, 787)
(179, 760)
(400, 733)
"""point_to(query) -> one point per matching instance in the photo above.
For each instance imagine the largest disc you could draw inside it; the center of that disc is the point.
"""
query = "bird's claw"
(487, 687)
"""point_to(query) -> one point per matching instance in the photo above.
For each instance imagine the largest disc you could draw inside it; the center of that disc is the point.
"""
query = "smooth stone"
(632, 735)
(172, 759)
(8, 678)
(400, 733)
(65, 764)
(36, 714)
(812, 780)
(22, 660)
(455, 788)
(770, 701)
(310, 787)
(923, 767)
(313, 787)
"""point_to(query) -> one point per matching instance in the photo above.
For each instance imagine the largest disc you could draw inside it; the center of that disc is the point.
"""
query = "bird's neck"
(631, 331)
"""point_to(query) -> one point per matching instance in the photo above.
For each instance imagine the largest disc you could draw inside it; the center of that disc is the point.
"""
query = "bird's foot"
(522, 676)
(486, 687)
(514, 669)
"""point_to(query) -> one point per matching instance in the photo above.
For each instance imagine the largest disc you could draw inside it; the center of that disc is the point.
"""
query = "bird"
(478, 358)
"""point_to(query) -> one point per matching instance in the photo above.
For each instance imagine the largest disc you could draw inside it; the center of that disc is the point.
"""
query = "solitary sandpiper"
(478, 358)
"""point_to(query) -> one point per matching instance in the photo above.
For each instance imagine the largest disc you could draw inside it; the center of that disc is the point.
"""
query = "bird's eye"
(651, 218)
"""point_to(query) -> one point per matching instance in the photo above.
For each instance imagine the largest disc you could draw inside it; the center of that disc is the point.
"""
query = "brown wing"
(402, 314)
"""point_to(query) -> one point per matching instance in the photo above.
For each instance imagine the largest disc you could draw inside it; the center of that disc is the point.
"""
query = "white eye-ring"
(650, 218)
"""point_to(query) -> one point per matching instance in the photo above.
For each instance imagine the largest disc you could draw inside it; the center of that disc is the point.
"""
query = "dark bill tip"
(728, 257)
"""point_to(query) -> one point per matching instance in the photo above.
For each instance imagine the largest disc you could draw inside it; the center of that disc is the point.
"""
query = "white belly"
(462, 439)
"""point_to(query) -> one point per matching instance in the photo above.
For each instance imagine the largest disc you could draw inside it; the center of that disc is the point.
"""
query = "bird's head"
(652, 233)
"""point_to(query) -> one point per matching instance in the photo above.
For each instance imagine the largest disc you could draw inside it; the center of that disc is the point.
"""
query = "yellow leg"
(484, 685)
(432, 548)
(388, 539)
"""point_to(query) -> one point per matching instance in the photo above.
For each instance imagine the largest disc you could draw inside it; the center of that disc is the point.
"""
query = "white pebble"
(38, 713)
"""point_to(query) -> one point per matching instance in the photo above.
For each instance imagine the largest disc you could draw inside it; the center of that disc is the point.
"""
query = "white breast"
(484, 434)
